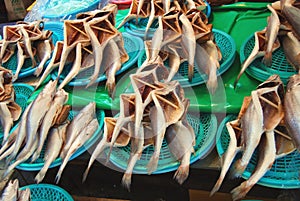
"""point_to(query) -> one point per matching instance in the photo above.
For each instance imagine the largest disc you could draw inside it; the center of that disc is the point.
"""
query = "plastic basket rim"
(81, 150)
(49, 186)
(139, 47)
(200, 153)
(74, 12)
(253, 70)
(225, 65)
(264, 181)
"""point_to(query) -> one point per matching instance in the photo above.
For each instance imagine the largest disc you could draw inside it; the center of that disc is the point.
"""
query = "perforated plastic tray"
(262, 72)
(27, 68)
(133, 46)
(47, 192)
(284, 173)
(23, 92)
(227, 46)
(205, 129)
(39, 163)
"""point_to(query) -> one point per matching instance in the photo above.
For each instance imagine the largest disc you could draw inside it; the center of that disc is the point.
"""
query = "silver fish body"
(291, 48)
(6, 120)
(292, 14)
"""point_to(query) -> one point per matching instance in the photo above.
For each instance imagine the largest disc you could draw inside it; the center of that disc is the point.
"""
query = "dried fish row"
(12, 192)
(90, 41)
(30, 41)
(10, 111)
(45, 123)
(257, 126)
(283, 30)
(155, 111)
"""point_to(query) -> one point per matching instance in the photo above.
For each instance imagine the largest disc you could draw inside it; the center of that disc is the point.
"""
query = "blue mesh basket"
(27, 68)
(39, 163)
(227, 46)
(57, 10)
(138, 28)
(284, 173)
(205, 129)
(133, 46)
(47, 192)
(261, 72)
(23, 92)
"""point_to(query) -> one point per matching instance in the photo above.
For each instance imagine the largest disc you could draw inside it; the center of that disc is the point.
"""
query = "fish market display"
(283, 30)
(186, 37)
(257, 126)
(12, 192)
(27, 40)
(90, 41)
(154, 8)
(44, 123)
(10, 111)
(156, 109)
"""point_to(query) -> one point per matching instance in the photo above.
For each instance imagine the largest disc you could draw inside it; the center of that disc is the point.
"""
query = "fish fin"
(152, 165)
(181, 174)
(267, 60)
(240, 191)
(126, 181)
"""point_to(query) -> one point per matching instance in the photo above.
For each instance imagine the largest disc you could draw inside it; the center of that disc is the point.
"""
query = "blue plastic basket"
(27, 68)
(23, 92)
(138, 29)
(261, 72)
(56, 10)
(205, 129)
(284, 173)
(39, 163)
(47, 192)
(133, 46)
(227, 46)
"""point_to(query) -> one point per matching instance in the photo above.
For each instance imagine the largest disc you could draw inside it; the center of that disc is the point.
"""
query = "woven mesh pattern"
(227, 47)
(133, 47)
(204, 128)
(284, 172)
(27, 68)
(23, 92)
(262, 72)
(47, 192)
(39, 163)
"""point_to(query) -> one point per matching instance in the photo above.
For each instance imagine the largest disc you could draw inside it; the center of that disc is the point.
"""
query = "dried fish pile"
(154, 8)
(156, 110)
(186, 37)
(12, 192)
(29, 40)
(10, 111)
(45, 122)
(259, 125)
(283, 30)
(91, 40)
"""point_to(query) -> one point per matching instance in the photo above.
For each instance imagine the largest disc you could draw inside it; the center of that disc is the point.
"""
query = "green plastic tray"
(284, 173)
(205, 129)
(47, 192)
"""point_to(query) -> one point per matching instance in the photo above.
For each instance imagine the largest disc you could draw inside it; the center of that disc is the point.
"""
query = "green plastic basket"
(227, 46)
(138, 28)
(284, 173)
(133, 46)
(205, 129)
(27, 68)
(47, 192)
(23, 92)
(261, 72)
(39, 163)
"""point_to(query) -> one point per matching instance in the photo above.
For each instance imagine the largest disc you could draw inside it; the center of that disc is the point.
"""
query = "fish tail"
(240, 191)
(212, 82)
(126, 181)
(237, 169)
(152, 165)
(217, 186)
(267, 60)
(58, 176)
(86, 172)
(110, 86)
(38, 71)
(191, 72)
(181, 174)
(35, 156)
(40, 176)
